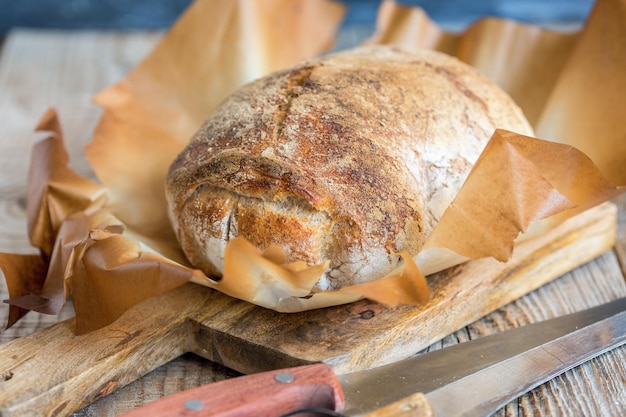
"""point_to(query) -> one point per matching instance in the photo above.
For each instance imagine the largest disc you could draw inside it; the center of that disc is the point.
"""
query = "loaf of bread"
(348, 158)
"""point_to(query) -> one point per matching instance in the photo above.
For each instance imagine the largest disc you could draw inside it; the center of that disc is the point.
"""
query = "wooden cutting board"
(54, 372)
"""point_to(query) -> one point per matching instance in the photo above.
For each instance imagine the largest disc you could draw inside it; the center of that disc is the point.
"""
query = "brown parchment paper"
(110, 245)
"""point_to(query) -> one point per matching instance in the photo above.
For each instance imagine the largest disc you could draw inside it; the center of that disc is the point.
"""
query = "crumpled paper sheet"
(110, 245)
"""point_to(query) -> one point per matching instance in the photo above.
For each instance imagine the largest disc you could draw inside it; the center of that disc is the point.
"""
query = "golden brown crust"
(351, 158)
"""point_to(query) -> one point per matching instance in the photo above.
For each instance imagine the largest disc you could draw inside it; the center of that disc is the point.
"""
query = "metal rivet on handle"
(284, 377)
(194, 405)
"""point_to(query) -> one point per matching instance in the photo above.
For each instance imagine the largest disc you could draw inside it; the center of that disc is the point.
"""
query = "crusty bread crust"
(350, 158)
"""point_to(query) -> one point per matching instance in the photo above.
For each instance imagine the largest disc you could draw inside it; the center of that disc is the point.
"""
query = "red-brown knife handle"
(271, 393)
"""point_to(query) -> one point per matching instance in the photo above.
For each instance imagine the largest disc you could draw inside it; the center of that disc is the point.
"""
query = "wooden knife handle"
(273, 393)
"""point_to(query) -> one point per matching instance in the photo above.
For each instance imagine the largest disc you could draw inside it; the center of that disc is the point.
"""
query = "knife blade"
(473, 378)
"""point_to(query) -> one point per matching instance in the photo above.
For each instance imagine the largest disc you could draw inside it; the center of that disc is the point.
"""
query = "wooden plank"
(595, 389)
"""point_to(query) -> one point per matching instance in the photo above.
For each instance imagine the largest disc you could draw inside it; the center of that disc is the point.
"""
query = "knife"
(474, 378)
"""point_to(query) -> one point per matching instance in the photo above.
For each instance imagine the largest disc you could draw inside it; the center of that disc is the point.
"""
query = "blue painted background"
(155, 14)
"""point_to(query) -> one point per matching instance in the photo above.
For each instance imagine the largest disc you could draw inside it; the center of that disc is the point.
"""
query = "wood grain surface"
(64, 70)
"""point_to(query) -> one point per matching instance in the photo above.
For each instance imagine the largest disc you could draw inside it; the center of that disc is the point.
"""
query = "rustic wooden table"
(64, 70)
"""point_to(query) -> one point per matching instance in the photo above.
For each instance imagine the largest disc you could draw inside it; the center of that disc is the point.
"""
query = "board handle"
(55, 372)
(274, 393)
